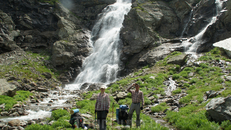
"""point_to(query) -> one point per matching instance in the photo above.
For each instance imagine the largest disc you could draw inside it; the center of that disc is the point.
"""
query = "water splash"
(171, 86)
(103, 63)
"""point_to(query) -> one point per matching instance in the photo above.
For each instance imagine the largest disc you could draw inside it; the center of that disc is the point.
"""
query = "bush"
(176, 91)
(22, 95)
(61, 123)
(9, 101)
(56, 114)
(175, 76)
(186, 119)
(226, 125)
(38, 127)
(86, 106)
(159, 108)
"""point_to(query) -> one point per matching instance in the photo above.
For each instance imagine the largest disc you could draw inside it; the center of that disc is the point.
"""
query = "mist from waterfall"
(103, 64)
(191, 48)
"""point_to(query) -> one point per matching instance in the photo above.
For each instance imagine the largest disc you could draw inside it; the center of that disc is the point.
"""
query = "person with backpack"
(76, 119)
(101, 108)
(137, 101)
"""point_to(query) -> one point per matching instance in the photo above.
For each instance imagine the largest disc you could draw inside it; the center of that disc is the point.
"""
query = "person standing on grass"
(101, 107)
(137, 101)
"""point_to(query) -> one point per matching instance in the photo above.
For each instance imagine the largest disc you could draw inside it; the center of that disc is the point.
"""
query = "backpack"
(123, 114)
(76, 121)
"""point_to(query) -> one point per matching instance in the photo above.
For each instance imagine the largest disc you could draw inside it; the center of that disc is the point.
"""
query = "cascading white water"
(198, 38)
(186, 25)
(171, 86)
(103, 63)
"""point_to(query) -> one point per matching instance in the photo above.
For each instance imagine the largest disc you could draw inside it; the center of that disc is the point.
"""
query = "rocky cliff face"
(60, 29)
(151, 23)
(63, 29)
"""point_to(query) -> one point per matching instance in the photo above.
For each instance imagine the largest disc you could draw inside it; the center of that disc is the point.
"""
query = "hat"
(103, 87)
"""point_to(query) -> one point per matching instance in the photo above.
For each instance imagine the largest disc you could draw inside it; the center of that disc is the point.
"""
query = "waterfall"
(186, 25)
(103, 63)
(191, 48)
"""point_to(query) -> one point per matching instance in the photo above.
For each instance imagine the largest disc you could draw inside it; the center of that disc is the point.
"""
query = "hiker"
(76, 119)
(137, 100)
(102, 107)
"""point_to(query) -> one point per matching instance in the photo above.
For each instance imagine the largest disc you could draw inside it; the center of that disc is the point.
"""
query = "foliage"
(38, 127)
(86, 105)
(29, 66)
(56, 114)
(49, 1)
(226, 125)
(61, 123)
(176, 91)
(22, 95)
(159, 108)
(10, 101)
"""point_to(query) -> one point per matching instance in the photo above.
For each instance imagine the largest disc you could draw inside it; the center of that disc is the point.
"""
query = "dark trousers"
(101, 119)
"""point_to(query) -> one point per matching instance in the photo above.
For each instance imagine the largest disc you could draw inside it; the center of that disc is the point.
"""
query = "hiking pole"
(95, 121)
(112, 115)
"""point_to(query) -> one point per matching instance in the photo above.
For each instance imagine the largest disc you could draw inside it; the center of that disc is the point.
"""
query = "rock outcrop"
(219, 109)
(7, 89)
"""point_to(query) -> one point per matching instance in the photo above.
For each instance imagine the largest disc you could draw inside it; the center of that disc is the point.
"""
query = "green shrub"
(186, 85)
(204, 65)
(56, 114)
(175, 76)
(123, 82)
(146, 101)
(22, 95)
(226, 125)
(38, 127)
(193, 80)
(126, 101)
(86, 106)
(9, 101)
(184, 74)
(159, 108)
(61, 123)
(188, 118)
(49, 1)
(198, 69)
(176, 91)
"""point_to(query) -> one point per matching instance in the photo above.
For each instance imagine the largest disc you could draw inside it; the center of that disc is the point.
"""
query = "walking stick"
(112, 115)
(95, 121)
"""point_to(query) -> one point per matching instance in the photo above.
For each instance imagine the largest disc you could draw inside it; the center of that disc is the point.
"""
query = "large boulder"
(219, 109)
(7, 89)
(63, 52)
(178, 59)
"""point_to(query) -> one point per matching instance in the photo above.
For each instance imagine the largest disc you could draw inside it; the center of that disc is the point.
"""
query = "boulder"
(7, 89)
(225, 45)
(219, 109)
(179, 59)
(63, 52)
(15, 122)
(47, 75)
(121, 95)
